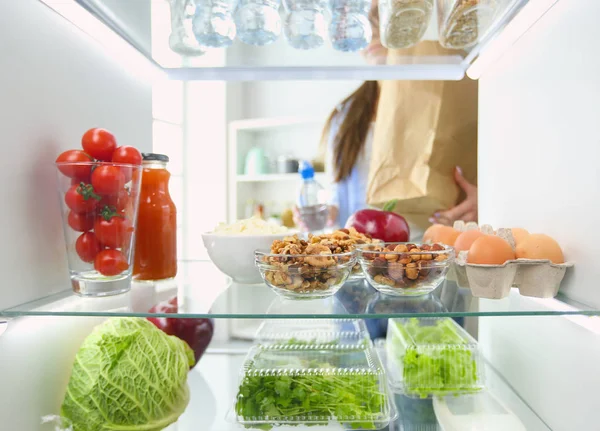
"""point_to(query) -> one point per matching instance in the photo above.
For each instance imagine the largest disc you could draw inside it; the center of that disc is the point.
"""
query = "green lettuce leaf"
(128, 376)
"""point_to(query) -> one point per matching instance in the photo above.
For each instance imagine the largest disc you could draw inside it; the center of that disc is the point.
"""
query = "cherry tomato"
(77, 172)
(81, 198)
(113, 230)
(118, 201)
(80, 222)
(108, 180)
(110, 262)
(99, 144)
(128, 155)
(87, 246)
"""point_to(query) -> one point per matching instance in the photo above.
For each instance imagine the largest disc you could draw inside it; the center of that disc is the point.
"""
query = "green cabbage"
(128, 375)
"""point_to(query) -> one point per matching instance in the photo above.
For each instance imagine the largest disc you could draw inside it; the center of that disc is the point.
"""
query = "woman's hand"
(331, 217)
(466, 210)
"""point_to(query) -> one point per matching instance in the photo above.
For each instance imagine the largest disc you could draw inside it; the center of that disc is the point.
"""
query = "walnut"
(323, 260)
(281, 277)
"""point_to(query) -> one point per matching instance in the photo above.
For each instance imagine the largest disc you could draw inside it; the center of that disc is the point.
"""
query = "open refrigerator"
(69, 63)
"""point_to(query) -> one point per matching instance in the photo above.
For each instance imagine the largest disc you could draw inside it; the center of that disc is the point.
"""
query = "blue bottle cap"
(306, 170)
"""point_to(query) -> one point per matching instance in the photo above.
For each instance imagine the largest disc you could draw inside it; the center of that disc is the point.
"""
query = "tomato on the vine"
(112, 229)
(117, 201)
(79, 172)
(81, 198)
(110, 262)
(87, 246)
(99, 143)
(108, 180)
(80, 222)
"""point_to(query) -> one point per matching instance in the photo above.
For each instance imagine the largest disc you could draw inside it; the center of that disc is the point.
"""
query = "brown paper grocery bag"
(423, 130)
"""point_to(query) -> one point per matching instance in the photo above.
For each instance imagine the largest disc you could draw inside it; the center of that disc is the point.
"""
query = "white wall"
(538, 169)
(55, 84)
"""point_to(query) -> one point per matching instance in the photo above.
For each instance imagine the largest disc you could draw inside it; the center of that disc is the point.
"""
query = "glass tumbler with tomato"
(99, 203)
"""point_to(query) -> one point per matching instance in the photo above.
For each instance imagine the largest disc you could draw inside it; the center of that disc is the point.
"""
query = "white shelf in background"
(267, 178)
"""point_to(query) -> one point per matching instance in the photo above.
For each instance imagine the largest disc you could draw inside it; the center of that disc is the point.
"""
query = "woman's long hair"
(349, 141)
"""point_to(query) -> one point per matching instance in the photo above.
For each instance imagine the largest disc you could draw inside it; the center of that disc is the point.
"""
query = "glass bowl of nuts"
(303, 270)
(403, 269)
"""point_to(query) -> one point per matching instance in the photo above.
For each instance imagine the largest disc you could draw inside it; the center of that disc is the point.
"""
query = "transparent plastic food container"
(321, 385)
(404, 268)
(464, 23)
(403, 23)
(320, 331)
(432, 357)
(305, 276)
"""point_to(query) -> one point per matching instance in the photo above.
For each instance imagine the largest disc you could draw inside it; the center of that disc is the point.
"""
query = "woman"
(348, 137)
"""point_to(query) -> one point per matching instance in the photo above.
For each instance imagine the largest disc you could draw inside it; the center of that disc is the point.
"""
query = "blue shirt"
(350, 194)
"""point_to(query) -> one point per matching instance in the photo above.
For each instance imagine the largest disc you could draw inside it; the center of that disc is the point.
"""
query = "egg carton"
(539, 278)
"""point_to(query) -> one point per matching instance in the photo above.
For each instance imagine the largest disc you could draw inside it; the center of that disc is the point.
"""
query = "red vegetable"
(381, 224)
(99, 143)
(196, 332)
(110, 262)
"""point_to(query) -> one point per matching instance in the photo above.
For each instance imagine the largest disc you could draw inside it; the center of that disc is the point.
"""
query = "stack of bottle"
(198, 25)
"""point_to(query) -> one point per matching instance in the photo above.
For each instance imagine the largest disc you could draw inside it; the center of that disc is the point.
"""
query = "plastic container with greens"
(291, 384)
(432, 357)
(311, 331)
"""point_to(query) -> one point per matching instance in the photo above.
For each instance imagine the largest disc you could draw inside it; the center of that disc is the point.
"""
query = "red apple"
(196, 332)
(381, 224)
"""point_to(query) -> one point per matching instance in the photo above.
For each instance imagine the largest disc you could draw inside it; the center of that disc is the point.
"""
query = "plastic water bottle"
(213, 23)
(350, 29)
(182, 40)
(258, 21)
(305, 24)
(312, 205)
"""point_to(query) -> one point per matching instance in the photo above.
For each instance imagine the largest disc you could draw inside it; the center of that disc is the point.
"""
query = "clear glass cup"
(258, 21)
(182, 40)
(305, 24)
(99, 204)
(213, 24)
(350, 29)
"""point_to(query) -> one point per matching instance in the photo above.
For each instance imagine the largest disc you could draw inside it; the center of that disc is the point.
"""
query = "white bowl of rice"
(231, 246)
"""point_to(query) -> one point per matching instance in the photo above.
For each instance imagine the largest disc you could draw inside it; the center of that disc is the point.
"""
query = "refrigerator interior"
(537, 137)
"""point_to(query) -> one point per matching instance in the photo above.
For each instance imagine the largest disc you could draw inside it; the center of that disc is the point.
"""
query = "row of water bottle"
(198, 25)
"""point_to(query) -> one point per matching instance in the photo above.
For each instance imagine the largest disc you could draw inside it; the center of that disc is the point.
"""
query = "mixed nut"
(404, 265)
(310, 265)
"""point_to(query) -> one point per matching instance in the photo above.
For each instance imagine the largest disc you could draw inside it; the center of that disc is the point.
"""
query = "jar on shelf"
(403, 23)
(156, 237)
(464, 23)
(182, 40)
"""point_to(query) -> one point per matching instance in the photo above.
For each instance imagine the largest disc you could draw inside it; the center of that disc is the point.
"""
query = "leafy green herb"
(436, 359)
(353, 398)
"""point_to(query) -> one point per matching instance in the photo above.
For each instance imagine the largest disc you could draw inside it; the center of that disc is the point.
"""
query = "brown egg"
(490, 250)
(446, 235)
(518, 234)
(466, 239)
(539, 246)
(430, 234)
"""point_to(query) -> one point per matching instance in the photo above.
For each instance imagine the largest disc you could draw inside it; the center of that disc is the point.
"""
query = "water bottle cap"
(306, 170)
